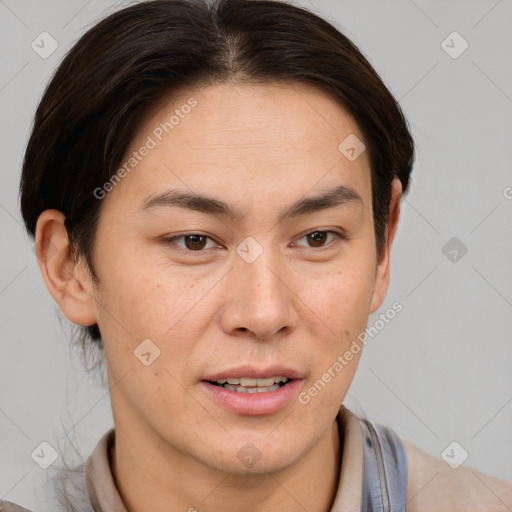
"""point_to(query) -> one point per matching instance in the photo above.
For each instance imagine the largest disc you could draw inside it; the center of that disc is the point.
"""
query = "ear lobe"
(67, 281)
(382, 273)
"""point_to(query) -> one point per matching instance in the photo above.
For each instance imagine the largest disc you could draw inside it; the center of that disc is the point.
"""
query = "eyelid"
(339, 236)
(172, 239)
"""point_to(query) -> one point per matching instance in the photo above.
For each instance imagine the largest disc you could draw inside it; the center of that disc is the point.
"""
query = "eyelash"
(170, 240)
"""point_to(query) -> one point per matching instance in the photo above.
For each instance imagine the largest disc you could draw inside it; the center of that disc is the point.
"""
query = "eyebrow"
(339, 196)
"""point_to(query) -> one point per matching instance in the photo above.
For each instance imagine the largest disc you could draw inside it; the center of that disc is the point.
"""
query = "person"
(214, 188)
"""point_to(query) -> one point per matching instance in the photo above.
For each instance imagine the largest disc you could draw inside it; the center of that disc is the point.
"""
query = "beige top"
(432, 485)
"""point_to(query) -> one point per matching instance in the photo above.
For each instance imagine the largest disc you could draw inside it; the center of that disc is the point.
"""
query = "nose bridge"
(259, 266)
(259, 298)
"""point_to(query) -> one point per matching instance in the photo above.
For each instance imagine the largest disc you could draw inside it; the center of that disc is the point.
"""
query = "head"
(214, 185)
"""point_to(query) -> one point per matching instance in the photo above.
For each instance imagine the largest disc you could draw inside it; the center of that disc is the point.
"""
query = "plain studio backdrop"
(439, 373)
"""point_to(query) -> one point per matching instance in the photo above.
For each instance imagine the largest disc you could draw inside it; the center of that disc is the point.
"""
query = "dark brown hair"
(122, 66)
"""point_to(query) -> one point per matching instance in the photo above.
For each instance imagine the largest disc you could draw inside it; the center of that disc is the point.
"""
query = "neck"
(152, 477)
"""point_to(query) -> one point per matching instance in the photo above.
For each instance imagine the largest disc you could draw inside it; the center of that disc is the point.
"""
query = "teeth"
(251, 383)
(242, 389)
(246, 382)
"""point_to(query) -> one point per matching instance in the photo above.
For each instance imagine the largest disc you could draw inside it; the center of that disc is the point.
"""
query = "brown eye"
(193, 242)
(318, 238)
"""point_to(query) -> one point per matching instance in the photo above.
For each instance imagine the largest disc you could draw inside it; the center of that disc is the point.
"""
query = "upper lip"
(256, 373)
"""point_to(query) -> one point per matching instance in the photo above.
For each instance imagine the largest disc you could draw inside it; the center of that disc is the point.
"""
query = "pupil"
(194, 239)
(315, 239)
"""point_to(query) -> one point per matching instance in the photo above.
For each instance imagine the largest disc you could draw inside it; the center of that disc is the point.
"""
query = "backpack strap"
(384, 485)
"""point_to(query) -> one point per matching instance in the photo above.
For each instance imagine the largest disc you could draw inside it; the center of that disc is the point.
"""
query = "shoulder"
(8, 506)
(432, 482)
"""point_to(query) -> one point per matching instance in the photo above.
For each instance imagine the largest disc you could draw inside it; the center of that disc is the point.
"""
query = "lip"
(255, 373)
(253, 404)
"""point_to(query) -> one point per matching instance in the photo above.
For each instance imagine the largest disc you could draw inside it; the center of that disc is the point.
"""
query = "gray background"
(441, 370)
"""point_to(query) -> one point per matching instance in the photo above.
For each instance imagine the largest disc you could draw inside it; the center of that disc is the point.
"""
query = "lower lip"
(253, 404)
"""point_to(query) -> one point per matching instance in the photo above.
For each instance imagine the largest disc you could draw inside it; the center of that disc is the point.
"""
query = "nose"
(259, 298)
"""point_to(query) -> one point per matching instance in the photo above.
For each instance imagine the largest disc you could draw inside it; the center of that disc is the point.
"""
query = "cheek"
(341, 298)
(341, 311)
(123, 313)
(147, 301)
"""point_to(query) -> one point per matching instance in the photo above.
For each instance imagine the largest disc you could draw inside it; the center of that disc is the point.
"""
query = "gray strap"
(384, 485)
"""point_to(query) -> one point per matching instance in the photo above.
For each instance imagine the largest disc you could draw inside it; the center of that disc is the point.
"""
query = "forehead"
(259, 140)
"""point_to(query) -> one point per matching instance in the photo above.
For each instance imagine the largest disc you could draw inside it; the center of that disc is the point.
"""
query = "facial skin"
(300, 303)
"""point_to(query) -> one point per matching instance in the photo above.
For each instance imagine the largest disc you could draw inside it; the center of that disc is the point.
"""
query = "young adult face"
(256, 294)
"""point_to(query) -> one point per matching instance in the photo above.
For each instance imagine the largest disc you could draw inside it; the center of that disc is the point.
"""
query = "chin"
(264, 466)
(262, 455)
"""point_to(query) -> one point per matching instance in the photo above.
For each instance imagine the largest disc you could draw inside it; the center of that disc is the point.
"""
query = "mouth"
(250, 385)
(246, 390)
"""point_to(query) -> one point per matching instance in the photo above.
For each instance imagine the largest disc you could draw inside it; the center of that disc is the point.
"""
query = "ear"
(68, 282)
(382, 272)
